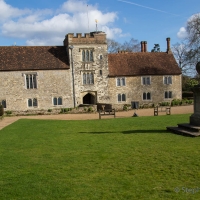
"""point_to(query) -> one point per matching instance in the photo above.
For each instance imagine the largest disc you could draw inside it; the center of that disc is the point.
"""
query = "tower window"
(87, 55)
(88, 78)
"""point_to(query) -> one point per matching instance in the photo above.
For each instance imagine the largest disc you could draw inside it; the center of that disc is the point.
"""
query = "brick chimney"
(145, 46)
(142, 46)
(168, 46)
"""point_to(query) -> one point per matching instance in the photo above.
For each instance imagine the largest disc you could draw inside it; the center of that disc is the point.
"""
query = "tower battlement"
(88, 38)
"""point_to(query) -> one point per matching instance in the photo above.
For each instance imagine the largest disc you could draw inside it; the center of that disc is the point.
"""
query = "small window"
(146, 80)
(121, 81)
(100, 72)
(167, 80)
(57, 101)
(118, 82)
(3, 103)
(101, 57)
(121, 97)
(31, 81)
(146, 96)
(168, 94)
(32, 102)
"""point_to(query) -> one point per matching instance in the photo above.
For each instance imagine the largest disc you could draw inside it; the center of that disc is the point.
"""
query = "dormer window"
(87, 55)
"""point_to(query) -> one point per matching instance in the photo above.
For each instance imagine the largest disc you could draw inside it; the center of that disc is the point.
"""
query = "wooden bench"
(158, 109)
(106, 112)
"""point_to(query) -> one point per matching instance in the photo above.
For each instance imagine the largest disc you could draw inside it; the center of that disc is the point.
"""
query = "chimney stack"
(168, 46)
(145, 46)
(142, 46)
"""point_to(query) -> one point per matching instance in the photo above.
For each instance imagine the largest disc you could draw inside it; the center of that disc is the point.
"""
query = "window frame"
(120, 81)
(146, 96)
(167, 80)
(168, 95)
(57, 101)
(146, 80)
(121, 98)
(88, 78)
(87, 55)
(31, 81)
(32, 103)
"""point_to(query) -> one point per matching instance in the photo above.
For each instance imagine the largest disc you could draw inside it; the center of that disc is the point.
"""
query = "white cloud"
(48, 27)
(73, 6)
(7, 11)
(182, 34)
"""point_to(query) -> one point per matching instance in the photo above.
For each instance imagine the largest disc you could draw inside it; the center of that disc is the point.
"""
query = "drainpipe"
(73, 84)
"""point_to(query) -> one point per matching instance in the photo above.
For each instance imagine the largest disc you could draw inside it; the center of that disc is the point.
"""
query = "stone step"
(189, 127)
(183, 131)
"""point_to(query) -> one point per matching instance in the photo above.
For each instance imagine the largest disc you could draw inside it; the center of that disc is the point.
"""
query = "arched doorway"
(89, 99)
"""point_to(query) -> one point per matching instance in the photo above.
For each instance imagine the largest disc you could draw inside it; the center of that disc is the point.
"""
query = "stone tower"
(89, 67)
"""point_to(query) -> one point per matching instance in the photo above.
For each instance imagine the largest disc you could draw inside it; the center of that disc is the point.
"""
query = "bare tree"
(193, 38)
(182, 55)
(193, 29)
(113, 46)
(132, 46)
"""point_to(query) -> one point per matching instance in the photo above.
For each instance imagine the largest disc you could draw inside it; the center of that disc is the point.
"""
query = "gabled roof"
(13, 58)
(142, 63)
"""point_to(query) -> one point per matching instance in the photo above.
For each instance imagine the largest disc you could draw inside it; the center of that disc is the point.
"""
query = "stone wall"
(50, 83)
(134, 90)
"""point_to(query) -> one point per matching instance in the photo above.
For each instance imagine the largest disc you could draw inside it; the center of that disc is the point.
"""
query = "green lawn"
(129, 158)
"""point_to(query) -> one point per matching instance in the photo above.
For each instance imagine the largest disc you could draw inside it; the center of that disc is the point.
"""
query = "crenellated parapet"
(88, 38)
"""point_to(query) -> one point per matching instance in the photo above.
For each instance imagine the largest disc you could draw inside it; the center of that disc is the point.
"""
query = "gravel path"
(141, 112)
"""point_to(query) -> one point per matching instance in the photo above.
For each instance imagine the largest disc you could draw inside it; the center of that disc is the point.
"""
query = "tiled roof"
(142, 63)
(15, 58)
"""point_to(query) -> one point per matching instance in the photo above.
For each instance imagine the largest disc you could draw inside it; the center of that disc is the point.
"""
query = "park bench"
(105, 109)
(106, 112)
(158, 109)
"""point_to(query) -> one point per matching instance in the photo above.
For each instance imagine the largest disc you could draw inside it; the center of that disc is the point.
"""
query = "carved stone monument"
(195, 118)
(192, 128)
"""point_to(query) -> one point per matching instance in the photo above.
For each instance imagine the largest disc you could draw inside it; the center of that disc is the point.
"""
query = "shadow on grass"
(144, 131)
(130, 132)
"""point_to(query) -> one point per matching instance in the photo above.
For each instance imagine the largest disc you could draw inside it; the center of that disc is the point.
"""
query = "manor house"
(83, 72)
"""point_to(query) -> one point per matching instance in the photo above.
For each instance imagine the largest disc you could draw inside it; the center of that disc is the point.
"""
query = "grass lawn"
(127, 158)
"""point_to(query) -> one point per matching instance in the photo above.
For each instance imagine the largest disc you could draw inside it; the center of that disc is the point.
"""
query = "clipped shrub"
(8, 112)
(66, 110)
(125, 107)
(62, 110)
(90, 109)
(190, 101)
(49, 110)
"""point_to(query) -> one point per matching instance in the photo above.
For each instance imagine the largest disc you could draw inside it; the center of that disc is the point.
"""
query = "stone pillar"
(195, 118)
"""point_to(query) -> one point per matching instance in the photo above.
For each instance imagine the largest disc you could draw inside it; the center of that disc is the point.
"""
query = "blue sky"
(45, 22)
